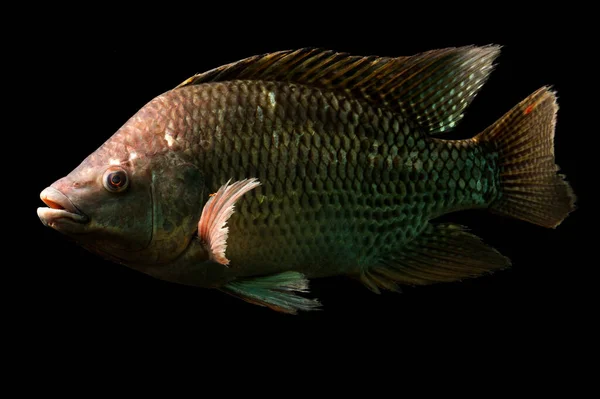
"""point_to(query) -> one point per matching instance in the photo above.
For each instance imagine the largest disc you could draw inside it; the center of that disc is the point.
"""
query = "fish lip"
(60, 211)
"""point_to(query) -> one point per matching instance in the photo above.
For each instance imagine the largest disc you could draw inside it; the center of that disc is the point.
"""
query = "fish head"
(131, 207)
(104, 204)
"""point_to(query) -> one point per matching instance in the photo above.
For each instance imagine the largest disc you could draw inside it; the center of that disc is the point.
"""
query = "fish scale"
(342, 183)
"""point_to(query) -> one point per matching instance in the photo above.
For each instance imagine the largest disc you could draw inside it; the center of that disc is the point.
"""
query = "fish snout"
(60, 211)
(57, 200)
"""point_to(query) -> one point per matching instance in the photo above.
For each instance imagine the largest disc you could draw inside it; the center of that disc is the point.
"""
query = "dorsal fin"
(431, 88)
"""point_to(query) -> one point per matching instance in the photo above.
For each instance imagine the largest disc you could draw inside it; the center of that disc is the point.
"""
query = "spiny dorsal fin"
(431, 88)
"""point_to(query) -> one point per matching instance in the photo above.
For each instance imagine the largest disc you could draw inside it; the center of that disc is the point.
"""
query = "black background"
(86, 79)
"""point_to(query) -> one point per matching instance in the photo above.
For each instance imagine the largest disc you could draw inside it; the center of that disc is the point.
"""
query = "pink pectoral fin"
(216, 212)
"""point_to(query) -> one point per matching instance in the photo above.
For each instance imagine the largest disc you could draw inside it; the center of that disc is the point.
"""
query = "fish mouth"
(60, 214)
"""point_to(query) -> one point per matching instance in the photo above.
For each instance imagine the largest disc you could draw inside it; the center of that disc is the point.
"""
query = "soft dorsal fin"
(431, 88)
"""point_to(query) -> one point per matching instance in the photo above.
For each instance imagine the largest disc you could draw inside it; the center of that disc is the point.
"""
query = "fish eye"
(115, 179)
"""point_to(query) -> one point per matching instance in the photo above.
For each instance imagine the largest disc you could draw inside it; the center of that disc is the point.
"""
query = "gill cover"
(178, 194)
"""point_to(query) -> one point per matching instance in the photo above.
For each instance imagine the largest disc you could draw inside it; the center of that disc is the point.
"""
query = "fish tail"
(529, 189)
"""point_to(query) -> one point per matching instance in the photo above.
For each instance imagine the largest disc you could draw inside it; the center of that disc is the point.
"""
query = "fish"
(258, 176)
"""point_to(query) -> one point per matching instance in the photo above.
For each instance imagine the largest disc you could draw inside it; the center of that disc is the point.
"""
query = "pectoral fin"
(277, 292)
(216, 212)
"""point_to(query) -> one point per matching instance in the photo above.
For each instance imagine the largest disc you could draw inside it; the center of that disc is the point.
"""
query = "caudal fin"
(530, 188)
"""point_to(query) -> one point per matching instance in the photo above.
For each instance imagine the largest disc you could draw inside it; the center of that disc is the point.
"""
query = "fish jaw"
(61, 214)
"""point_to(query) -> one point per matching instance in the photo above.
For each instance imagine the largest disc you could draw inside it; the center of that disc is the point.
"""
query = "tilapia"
(256, 176)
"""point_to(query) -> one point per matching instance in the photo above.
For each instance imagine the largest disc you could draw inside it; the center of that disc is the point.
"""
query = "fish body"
(258, 175)
(342, 182)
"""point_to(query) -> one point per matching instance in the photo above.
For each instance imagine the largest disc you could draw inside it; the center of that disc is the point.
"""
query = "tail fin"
(530, 188)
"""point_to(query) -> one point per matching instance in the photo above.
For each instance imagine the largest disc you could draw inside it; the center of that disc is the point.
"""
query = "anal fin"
(278, 292)
(441, 253)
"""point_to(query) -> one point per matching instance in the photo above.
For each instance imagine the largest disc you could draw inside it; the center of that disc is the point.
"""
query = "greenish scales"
(256, 176)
